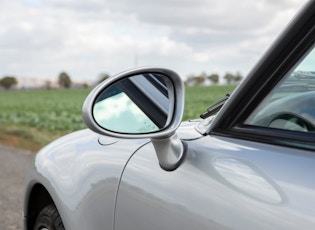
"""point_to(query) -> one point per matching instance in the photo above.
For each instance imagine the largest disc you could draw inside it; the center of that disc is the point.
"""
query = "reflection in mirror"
(136, 105)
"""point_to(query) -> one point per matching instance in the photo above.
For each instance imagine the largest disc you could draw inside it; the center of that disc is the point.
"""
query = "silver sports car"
(247, 163)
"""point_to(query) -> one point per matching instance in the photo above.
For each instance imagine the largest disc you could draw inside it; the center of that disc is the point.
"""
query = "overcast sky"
(84, 38)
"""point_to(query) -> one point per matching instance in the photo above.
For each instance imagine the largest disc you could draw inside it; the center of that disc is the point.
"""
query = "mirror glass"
(136, 104)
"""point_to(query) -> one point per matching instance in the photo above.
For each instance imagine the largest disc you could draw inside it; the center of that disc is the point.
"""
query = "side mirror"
(140, 103)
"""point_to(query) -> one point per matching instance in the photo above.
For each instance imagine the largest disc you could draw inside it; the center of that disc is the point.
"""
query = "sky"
(85, 38)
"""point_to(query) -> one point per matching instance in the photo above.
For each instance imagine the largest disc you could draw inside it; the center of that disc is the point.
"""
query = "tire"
(49, 219)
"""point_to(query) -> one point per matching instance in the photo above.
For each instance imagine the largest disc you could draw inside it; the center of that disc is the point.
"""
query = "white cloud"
(40, 38)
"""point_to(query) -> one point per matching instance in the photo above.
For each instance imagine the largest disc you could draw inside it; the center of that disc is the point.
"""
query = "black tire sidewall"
(49, 218)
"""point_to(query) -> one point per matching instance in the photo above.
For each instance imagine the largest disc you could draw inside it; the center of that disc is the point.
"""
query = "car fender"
(81, 173)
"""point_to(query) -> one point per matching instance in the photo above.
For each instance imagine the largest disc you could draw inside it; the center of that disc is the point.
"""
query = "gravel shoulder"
(14, 164)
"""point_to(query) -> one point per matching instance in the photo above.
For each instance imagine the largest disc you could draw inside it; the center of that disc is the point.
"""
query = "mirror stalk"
(170, 152)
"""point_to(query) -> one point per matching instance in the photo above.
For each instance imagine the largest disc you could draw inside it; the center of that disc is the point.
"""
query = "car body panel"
(223, 183)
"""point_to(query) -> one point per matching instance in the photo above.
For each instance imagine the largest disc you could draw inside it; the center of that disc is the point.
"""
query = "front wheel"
(49, 219)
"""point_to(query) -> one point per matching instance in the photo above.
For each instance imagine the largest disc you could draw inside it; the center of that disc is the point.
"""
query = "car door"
(233, 184)
(254, 167)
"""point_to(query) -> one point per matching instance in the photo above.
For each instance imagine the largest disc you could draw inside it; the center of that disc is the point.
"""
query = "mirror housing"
(173, 112)
(131, 95)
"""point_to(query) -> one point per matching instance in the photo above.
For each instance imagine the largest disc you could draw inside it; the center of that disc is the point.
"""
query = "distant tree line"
(64, 80)
(213, 79)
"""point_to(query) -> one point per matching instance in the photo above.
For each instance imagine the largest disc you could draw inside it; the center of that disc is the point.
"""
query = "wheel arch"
(38, 198)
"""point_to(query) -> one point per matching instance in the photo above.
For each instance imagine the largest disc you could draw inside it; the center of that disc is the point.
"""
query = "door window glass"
(291, 104)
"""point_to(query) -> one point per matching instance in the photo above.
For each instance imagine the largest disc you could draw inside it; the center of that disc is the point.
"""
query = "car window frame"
(236, 128)
(281, 136)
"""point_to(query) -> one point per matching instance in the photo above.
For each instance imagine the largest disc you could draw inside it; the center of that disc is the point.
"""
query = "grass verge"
(27, 138)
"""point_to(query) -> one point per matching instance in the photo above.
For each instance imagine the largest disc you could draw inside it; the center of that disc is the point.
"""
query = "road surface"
(13, 166)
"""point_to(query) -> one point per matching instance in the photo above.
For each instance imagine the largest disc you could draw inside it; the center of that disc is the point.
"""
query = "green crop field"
(31, 119)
